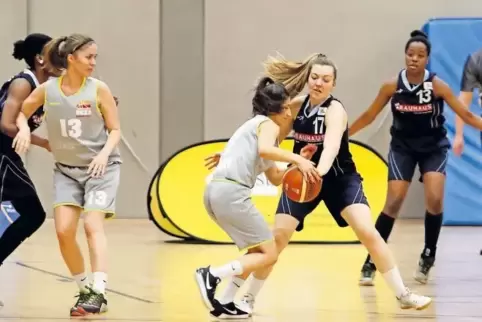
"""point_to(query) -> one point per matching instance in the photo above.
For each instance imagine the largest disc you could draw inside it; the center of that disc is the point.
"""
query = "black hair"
(30, 47)
(419, 36)
(269, 97)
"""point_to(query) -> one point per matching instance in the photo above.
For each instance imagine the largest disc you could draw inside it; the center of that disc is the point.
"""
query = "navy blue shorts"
(337, 193)
(402, 163)
(430, 153)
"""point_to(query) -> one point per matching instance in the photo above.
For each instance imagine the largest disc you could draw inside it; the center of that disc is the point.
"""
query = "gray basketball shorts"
(229, 205)
(73, 186)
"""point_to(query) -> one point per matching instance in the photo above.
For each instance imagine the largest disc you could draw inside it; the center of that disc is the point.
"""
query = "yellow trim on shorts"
(109, 214)
(256, 245)
(67, 204)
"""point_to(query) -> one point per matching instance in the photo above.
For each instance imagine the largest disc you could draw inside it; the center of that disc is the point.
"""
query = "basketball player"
(471, 80)
(320, 119)
(418, 137)
(83, 131)
(20, 204)
(251, 150)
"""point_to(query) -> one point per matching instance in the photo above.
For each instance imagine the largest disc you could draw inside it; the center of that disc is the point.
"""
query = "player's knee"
(270, 253)
(282, 238)
(393, 206)
(66, 234)
(435, 204)
(368, 236)
(93, 228)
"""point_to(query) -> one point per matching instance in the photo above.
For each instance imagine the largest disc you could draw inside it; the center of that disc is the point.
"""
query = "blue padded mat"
(453, 39)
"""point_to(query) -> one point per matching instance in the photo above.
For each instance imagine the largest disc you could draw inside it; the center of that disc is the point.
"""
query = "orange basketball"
(297, 188)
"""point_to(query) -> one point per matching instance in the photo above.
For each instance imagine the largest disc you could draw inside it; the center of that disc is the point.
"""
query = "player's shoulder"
(298, 101)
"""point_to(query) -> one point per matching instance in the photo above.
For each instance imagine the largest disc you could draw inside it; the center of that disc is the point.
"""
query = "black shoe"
(207, 286)
(91, 303)
(81, 299)
(422, 273)
(367, 274)
(229, 311)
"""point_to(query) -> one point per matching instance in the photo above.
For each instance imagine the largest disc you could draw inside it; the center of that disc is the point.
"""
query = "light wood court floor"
(151, 280)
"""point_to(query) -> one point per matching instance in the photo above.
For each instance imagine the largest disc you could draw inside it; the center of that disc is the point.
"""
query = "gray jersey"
(240, 160)
(75, 126)
(472, 74)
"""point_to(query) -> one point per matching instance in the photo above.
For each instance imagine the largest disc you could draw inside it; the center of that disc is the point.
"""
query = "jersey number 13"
(424, 96)
(71, 128)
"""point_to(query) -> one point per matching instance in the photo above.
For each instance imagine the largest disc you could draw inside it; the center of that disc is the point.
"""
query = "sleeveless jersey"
(417, 112)
(240, 160)
(75, 125)
(33, 122)
(309, 128)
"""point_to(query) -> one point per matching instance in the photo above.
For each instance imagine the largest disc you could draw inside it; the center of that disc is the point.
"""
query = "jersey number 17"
(318, 124)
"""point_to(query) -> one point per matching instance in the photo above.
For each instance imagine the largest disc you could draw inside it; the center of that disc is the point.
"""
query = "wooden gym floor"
(151, 280)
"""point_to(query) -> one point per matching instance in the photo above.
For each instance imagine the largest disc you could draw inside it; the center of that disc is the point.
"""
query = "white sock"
(254, 286)
(395, 282)
(230, 269)
(82, 282)
(231, 290)
(100, 281)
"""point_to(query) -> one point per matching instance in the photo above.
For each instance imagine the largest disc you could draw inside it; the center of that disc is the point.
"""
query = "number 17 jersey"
(75, 125)
(417, 112)
(310, 128)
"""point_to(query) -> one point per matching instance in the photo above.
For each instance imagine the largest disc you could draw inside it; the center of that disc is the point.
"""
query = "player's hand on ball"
(98, 165)
(21, 142)
(308, 151)
(308, 169)
(212, 161)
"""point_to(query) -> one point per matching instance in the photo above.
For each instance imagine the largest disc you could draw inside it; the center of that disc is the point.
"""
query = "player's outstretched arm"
(442, 90)
(384, 95)
(336, 121)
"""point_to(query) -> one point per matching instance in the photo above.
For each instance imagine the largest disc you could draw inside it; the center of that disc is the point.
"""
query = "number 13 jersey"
(76, 128)
(417, 112)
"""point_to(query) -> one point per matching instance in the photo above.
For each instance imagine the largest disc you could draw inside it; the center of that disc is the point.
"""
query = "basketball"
(297, 188)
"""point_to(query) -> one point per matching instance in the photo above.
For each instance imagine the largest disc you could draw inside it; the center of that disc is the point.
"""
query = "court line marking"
(132, 297)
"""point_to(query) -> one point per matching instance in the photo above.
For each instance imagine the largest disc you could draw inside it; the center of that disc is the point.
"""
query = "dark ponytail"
(269, 97)
(19, 50)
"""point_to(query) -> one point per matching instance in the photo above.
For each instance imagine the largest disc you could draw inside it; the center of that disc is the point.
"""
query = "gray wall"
(197, 85)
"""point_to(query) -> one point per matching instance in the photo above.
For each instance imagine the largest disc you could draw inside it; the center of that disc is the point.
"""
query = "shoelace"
(94, 298)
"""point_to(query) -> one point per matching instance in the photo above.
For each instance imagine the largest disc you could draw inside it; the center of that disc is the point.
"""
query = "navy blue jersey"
(309, 128)
(34, 121)
(417, 112)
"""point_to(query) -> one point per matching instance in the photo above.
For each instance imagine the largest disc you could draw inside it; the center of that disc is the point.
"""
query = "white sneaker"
(247, 303)
(411, 300)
